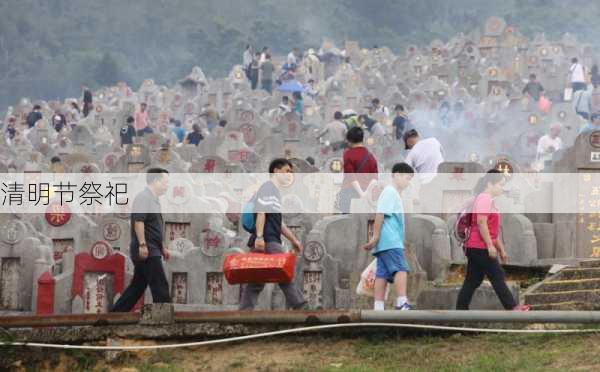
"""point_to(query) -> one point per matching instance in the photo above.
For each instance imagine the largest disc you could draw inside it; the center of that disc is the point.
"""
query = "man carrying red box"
(267, 238)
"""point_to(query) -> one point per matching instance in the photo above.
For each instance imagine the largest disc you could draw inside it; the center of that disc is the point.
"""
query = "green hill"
(48, 48)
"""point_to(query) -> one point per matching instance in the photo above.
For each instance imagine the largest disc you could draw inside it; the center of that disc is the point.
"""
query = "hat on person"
(410, 134)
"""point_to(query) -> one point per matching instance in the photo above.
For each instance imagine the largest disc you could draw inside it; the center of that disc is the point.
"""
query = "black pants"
(146, 273)
(86, 109)
(479, 265)
(578, 86)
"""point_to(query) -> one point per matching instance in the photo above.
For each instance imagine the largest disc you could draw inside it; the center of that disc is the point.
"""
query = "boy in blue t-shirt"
(388, 239)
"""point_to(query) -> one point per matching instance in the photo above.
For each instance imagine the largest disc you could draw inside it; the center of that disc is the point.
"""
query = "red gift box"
(259, 268)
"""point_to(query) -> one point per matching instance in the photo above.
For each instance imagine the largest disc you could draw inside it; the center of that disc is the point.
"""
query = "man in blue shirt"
(388, 239)
(177, 129)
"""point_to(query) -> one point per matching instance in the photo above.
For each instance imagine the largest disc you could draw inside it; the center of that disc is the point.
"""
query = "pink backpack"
(463, 223)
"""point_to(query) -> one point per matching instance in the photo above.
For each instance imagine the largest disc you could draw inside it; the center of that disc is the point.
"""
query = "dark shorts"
(578, 86)
(389, 263)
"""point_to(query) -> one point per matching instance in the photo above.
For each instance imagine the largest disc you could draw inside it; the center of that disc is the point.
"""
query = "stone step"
(589, 296)
(569, 285)
(589, 263)
(569, 305)
(579, 273)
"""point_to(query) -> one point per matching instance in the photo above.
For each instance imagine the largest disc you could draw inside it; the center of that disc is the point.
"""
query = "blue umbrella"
(291, 86)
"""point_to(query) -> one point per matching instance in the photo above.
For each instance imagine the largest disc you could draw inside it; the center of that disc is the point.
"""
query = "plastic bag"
(366, 285)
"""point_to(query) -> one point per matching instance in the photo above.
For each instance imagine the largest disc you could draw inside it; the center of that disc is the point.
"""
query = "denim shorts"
(389, 263)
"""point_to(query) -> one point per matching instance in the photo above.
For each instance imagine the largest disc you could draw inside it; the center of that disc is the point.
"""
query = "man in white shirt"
(425, 155)
(577, 72)
(380, 109)
(548, 145)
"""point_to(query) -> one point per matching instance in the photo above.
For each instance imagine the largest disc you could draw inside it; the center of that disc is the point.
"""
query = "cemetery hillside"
(264, 185)
(48, 49)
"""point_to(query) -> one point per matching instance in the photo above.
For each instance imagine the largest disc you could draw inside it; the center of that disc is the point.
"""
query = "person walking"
(146, 247)
(267, 235)
(484, 247)
(388, 240)
(360, 169)
(577, 73)
(267, 69)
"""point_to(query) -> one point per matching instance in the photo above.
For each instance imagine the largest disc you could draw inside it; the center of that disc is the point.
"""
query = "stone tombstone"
(153, 141)
(353, 51)
(176, 227)
(197, 280)
(18, 256)
(291, 125)
(270, 148)
(231, 146)
(318, 278)
(454, 186)
(181, 246)
(98, 279)
(117, 232)
(110, 160)
(137, 157)
(208, 164)
(68, 233)
(584, 159)
(168, 159)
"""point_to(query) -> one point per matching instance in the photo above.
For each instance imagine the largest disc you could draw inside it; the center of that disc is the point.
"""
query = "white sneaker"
(406, 306)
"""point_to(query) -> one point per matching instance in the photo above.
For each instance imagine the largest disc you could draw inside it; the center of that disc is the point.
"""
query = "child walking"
(388, 240)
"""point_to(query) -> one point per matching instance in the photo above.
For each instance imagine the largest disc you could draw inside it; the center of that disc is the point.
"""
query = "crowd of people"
(347, 131)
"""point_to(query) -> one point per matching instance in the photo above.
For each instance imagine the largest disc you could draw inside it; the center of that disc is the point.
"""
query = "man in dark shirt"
(127, 132)
(267, 237)
(533, 88)
(195, 136)
(399, 123)
(146, 247)
(267, 69)
(87, 101)
(34, 116)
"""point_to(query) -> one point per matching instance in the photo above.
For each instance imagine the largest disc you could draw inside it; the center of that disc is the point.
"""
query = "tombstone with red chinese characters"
(232, 145)
(584, 156)
(69, 232)
(208, 164)
(98, 279)
(115, 231)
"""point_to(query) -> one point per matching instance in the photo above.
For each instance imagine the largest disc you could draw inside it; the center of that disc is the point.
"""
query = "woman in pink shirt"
(484, 248)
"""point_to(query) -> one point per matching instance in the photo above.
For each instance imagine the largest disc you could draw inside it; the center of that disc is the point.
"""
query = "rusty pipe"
(69, 320)
(270, 317)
